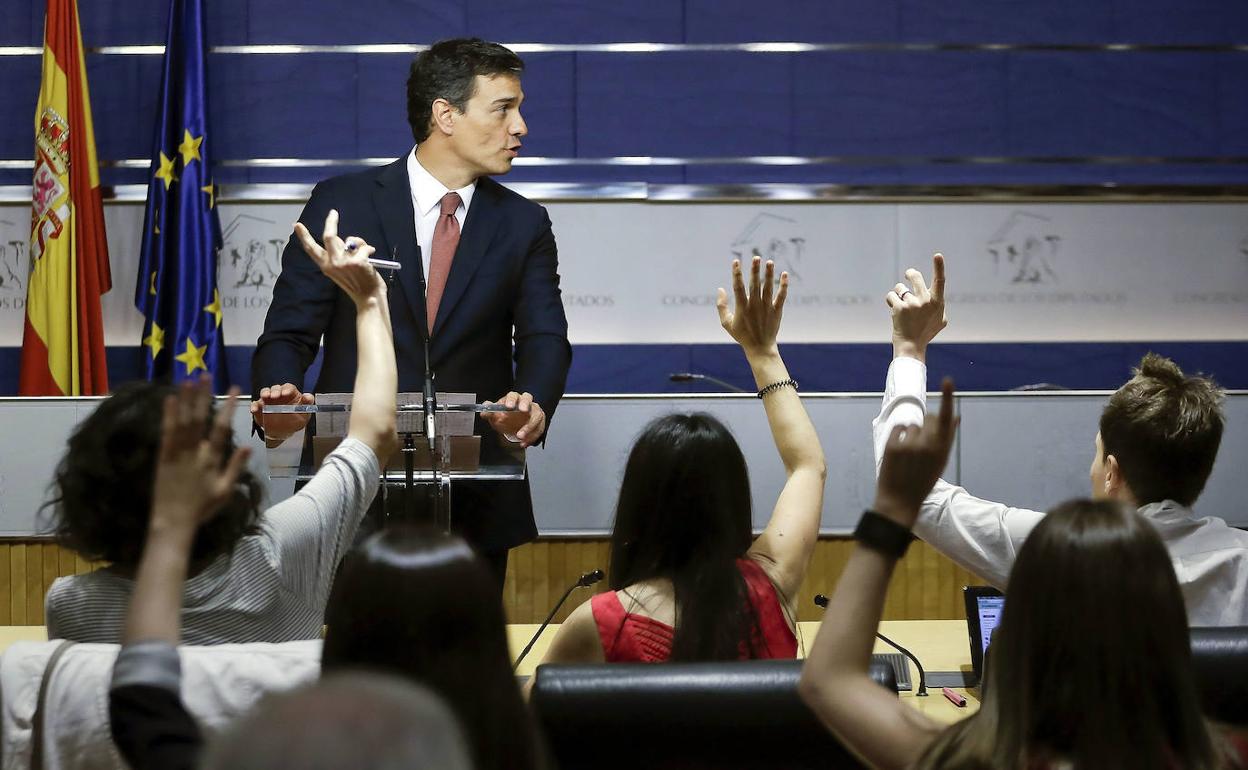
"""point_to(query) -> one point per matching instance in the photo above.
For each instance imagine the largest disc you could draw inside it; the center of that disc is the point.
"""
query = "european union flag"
(177, 283)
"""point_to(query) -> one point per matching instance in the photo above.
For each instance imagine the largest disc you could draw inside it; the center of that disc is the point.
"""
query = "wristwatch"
(880, 533)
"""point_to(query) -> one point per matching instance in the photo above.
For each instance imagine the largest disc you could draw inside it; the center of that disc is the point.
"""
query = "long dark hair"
(1091, 663)
(421, 604)
(102, 491)
(684, 516)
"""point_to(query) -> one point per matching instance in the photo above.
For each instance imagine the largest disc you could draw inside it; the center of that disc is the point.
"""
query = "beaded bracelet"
(789, 383)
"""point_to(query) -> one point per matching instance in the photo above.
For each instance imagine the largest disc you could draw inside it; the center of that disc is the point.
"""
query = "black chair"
(689, 715)
(1220, 660)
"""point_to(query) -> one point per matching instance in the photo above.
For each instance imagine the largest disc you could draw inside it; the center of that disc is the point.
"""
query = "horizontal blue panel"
(824, 367)
(973, 174)
(1163, 104)
(1233, 103)
(381, 101)
(145, 22)
(1007, 21)
(23, 24)
(124, 91)
(806, 21)
(329, 22)
(286, 106)
(19, 82)
(899, 104)
(576, 21)
(1181, 21)
(683, 104)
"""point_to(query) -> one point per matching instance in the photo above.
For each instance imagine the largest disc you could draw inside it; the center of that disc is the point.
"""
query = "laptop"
(983, 613)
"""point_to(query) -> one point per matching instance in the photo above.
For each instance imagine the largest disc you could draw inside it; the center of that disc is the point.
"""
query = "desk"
(941, 645)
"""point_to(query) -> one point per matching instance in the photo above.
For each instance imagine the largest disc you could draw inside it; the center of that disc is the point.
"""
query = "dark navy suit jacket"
(504, 279)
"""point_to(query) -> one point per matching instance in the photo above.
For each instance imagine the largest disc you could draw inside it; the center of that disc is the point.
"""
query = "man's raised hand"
(918, 312)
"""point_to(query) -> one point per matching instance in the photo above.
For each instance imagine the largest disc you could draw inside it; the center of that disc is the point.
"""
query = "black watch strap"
(880, 533)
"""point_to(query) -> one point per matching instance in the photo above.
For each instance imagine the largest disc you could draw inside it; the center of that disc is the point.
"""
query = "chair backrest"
(1220, 660)
(722, 715)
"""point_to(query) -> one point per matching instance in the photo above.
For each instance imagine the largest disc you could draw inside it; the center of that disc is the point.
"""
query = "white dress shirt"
(1210, 557)
(427, 193)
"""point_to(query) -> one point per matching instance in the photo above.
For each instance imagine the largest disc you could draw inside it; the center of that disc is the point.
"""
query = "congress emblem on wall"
(252, 254)
(1024, 249)
(774, 237)
(14, 267)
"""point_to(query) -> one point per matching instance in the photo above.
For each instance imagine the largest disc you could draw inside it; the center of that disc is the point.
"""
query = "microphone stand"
(822, 601)
(431, 408)
(694, 376)
(588, 579)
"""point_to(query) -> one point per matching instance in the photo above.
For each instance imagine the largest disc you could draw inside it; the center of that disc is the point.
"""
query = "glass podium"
(417, 481)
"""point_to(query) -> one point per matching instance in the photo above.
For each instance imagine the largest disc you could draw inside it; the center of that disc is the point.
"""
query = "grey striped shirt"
(272, 588)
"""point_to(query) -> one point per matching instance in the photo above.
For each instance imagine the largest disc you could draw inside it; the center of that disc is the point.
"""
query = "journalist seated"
(687, 583)
(254, 576)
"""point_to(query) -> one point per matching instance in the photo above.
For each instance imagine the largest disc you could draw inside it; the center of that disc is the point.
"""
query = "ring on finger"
(904, 293)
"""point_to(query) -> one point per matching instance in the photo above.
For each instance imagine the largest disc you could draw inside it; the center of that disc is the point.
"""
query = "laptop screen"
(989, 616)
(983, 613)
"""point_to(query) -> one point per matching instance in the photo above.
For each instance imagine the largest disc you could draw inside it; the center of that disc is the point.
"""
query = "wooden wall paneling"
(925, 585)
(34, 584)
(17, 573)
(6, 586)
(51, 569)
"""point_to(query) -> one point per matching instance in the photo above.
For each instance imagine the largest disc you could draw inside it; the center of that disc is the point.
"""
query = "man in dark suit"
(484, 255)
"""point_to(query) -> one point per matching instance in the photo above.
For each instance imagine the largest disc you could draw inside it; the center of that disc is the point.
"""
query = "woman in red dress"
(688, 580)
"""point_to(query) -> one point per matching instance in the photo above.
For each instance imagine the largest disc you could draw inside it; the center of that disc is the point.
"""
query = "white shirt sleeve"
(309, 532)
(979, 535)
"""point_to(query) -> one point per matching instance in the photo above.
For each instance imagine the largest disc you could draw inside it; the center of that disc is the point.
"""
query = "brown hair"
(1164, 429)
(1091, 663)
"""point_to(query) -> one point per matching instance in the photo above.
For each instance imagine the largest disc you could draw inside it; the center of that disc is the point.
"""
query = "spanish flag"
(63, 343)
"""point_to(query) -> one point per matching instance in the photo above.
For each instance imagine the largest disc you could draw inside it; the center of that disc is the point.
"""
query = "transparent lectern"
(417, 482)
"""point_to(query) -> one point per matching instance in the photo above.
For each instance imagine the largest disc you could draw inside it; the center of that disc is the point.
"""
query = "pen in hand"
(380, 264)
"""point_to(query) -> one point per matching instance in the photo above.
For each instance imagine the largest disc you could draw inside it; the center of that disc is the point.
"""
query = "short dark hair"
(420, 604)
(448, 70)
(102, 490)
(359, 720)
(1164, 428)
(684, 515)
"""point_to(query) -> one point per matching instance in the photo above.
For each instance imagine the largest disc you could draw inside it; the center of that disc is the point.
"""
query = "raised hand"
(918, 312)
(755, 318)
(913, 460)
(193, 479)
(343, 262)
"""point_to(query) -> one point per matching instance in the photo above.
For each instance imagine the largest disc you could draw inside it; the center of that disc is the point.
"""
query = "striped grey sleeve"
(310, 532)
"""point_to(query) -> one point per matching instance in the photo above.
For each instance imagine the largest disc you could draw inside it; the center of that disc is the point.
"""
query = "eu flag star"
(189, 148)
(193, 357)
(215, 307)
(166, 171)
(155, 340)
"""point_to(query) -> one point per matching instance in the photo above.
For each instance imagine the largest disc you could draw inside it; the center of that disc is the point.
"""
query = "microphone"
(694, 376)
(822, 601)
(584, 581)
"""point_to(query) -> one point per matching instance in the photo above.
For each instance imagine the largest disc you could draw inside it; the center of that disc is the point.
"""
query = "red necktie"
(441, 254)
